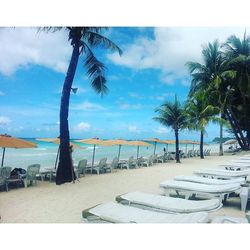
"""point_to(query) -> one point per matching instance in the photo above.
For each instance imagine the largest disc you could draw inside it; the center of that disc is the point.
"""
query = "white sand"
(49, 203)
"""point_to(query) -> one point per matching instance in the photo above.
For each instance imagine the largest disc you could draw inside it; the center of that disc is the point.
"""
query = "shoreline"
(49, 203)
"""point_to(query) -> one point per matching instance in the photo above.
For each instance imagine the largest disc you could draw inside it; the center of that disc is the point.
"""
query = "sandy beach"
(49, 203)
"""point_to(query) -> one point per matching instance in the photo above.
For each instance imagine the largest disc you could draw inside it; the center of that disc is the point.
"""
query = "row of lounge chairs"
(27, 179)
(213, 185)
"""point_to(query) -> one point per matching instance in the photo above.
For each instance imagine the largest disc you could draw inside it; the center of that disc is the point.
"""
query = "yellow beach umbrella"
(118, 142)
(57, 141)
(138, 144)
(155, 140)
(167, 142)
(6, 141)
(93, 141)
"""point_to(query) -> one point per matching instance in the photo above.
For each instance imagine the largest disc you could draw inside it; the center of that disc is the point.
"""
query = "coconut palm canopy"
(6, 141)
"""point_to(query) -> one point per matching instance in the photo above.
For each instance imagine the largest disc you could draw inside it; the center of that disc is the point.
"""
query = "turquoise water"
(45, 153)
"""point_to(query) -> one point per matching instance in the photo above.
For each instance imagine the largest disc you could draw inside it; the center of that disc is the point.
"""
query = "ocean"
(45, 153)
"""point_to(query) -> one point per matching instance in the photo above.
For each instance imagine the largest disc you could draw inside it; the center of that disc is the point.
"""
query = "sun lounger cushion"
(208, 181)
(222, 173)
(168, 204)
(117, 213)
(198, 187)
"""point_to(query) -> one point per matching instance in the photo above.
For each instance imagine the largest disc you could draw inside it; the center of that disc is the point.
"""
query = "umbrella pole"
(186, 149)
(167, 148)
(119, 152)
(137, 152)
(57, 156)
(3, 157)
(155, 148)
(93, 159)
(193, 147)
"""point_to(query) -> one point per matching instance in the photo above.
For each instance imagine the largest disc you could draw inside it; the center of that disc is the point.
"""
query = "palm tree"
(82, 40)
(199, 114)
(208, 77)
(237, 55)
(172, 115)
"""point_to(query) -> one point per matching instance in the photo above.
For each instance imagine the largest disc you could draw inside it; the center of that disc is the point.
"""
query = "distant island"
(217, 139)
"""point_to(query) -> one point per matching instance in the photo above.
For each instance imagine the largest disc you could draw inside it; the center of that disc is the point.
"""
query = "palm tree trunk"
(201, 146)
(64, 170)
(177, 153)
(221, 137)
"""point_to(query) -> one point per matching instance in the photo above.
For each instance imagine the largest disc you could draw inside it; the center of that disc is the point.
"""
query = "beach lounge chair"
(148, 161)
(117, 213)
(209, 181)
(81, 168)
(100, 168)
(167, 204)
(4, 176)
(222, 173)
(112, 165)
(131, 163)
(31, 174)
(244, 196)
(191, 189)
(228, 219)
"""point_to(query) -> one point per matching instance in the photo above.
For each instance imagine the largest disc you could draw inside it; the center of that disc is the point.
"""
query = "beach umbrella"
(93, 141)
(118, 142)
(138, 144)
(155, 140)
(57, 141)
(167, 142)
(187, 142)
(6, 141)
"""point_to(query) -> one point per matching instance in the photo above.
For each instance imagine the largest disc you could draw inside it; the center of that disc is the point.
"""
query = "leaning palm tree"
(172, 115)
(200, 113)
(82, 40)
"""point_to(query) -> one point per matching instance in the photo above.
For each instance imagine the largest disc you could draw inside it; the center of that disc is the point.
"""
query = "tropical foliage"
(225, 77)
(172, 115)
(82, 40)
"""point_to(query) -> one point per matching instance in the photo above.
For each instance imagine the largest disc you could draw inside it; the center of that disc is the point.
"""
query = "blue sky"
(150, 71)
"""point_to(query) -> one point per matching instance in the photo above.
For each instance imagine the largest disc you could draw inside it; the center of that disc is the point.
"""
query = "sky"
(150, 71)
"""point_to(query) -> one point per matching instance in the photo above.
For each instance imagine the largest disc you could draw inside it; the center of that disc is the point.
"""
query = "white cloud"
(82, 126)
(4, 120)
(2, 93)
(170, 49)
(130, 106)
(87, 106)
(132, 128)
(21, 47)
(162, 130)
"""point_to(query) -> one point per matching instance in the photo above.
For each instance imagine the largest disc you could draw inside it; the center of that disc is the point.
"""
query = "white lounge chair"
(167, 204)
(229, 219)
(222, 173)
(191, 189)
(208, 181)
(235, 166)
(116, 213)
(244, 197)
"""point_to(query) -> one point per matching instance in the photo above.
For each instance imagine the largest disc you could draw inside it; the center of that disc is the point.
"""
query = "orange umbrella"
(138, 144)
(168, 142)
(155, 140)
(6, 141)
(57, 141)
(93, 141)
(118, 142)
